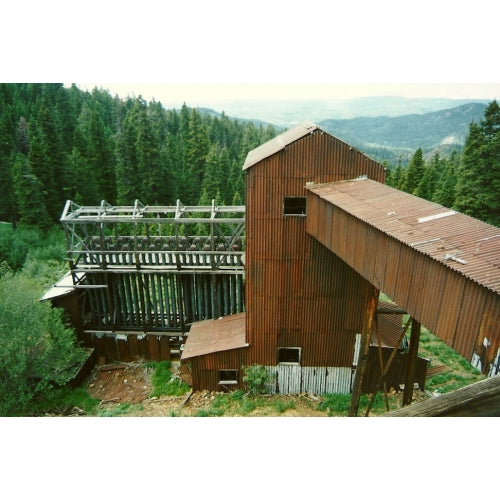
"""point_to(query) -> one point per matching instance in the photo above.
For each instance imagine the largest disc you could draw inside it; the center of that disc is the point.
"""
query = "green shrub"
(281, 406)
(63, 399)
(37, 351)
(256, 378)
(336, 404)
(246, 406)
(163, 381)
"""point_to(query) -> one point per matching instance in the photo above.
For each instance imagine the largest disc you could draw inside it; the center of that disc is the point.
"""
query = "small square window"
(289, 355)
(294, 205)
(227, 377)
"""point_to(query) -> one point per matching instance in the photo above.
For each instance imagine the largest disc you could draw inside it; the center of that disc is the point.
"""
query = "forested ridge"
(59, 143)
(467, 181)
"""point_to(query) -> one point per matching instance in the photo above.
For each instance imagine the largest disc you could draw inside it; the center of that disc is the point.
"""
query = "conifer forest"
(59, 143)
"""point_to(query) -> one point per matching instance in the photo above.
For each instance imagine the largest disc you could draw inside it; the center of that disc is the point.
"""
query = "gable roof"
(278, 143)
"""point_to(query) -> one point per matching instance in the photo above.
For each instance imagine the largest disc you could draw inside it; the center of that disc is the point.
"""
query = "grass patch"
(246, 406)
(458, 373)
(210, 412)
(63, 400)
(280, 406)
(120, 410)
(164, 382)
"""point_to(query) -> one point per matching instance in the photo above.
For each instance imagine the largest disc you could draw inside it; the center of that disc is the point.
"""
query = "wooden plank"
(481, 399)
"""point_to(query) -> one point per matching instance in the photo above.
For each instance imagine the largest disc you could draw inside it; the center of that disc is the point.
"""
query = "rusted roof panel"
(467, 245)
(215, 335)
(278, 143)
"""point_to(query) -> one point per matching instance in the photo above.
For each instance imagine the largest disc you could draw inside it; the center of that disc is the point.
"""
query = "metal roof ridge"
(279, 142)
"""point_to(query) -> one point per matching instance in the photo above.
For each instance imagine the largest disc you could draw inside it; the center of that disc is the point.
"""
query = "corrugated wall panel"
(455, 308)
(469, 321)
(450, 308)
(298, 294)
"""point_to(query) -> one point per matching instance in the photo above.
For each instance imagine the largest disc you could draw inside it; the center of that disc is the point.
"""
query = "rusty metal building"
(324, 237)
(321, 236)
(305, 306)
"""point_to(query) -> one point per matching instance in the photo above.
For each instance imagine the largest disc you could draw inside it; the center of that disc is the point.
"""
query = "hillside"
(287, 113)
(387, 138)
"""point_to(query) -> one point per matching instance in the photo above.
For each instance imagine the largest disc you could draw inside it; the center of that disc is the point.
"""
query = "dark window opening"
(294, 205)
(289, 355)
(227, 377)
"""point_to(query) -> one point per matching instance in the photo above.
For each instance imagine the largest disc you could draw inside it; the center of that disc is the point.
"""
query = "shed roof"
(278, 143)
(469, 246)
(63, 287)
(215, 335)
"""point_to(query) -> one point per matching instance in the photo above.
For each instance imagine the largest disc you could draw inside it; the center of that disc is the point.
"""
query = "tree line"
(59, 143)
(468, 181)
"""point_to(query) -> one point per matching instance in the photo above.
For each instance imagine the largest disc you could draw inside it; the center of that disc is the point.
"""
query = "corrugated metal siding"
(204, 369)
(404, 258)
(298, 294)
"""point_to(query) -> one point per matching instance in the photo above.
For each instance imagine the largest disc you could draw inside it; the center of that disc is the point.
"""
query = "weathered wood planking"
(481, 399)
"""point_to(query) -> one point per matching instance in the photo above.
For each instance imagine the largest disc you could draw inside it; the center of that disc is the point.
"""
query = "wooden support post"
(412, 362)
(387, 366)
(371, 311)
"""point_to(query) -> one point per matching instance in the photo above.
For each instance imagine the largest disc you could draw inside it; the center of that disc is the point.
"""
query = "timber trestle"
(144, 274)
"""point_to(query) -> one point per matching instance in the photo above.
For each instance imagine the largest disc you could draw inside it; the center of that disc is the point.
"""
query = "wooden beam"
(412, 362)
(363, 353)
(481, 399)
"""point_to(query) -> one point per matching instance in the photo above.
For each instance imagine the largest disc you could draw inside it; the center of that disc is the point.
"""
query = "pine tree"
(478, 185)
(445, 188)
(28, 191)
(414, 172)
(428, 182)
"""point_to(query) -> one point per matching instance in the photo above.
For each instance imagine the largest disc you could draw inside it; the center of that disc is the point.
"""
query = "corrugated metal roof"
(465, 244)
(278, 143)
(215, 335)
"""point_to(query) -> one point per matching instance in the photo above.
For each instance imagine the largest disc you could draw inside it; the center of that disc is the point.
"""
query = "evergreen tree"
(397, 176)
(445, 188)
(427, 184)
(100, 156)
(478, 185)
(28, 191)
(414, 173)
(7, 210)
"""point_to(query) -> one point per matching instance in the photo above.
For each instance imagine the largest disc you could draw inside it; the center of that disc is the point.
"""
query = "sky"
(196, 51)
(200, 94)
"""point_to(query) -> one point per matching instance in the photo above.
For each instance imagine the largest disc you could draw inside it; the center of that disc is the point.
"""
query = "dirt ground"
(124, 391)
(130, 383)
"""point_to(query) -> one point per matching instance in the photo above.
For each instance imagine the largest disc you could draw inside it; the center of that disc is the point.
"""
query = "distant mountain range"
(388, 138)
(287, 113)
(385, 128)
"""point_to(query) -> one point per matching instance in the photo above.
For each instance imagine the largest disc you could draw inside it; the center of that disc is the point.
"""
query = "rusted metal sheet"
(297, 293)
(205, 369)
(217, 335)
(427, 258)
